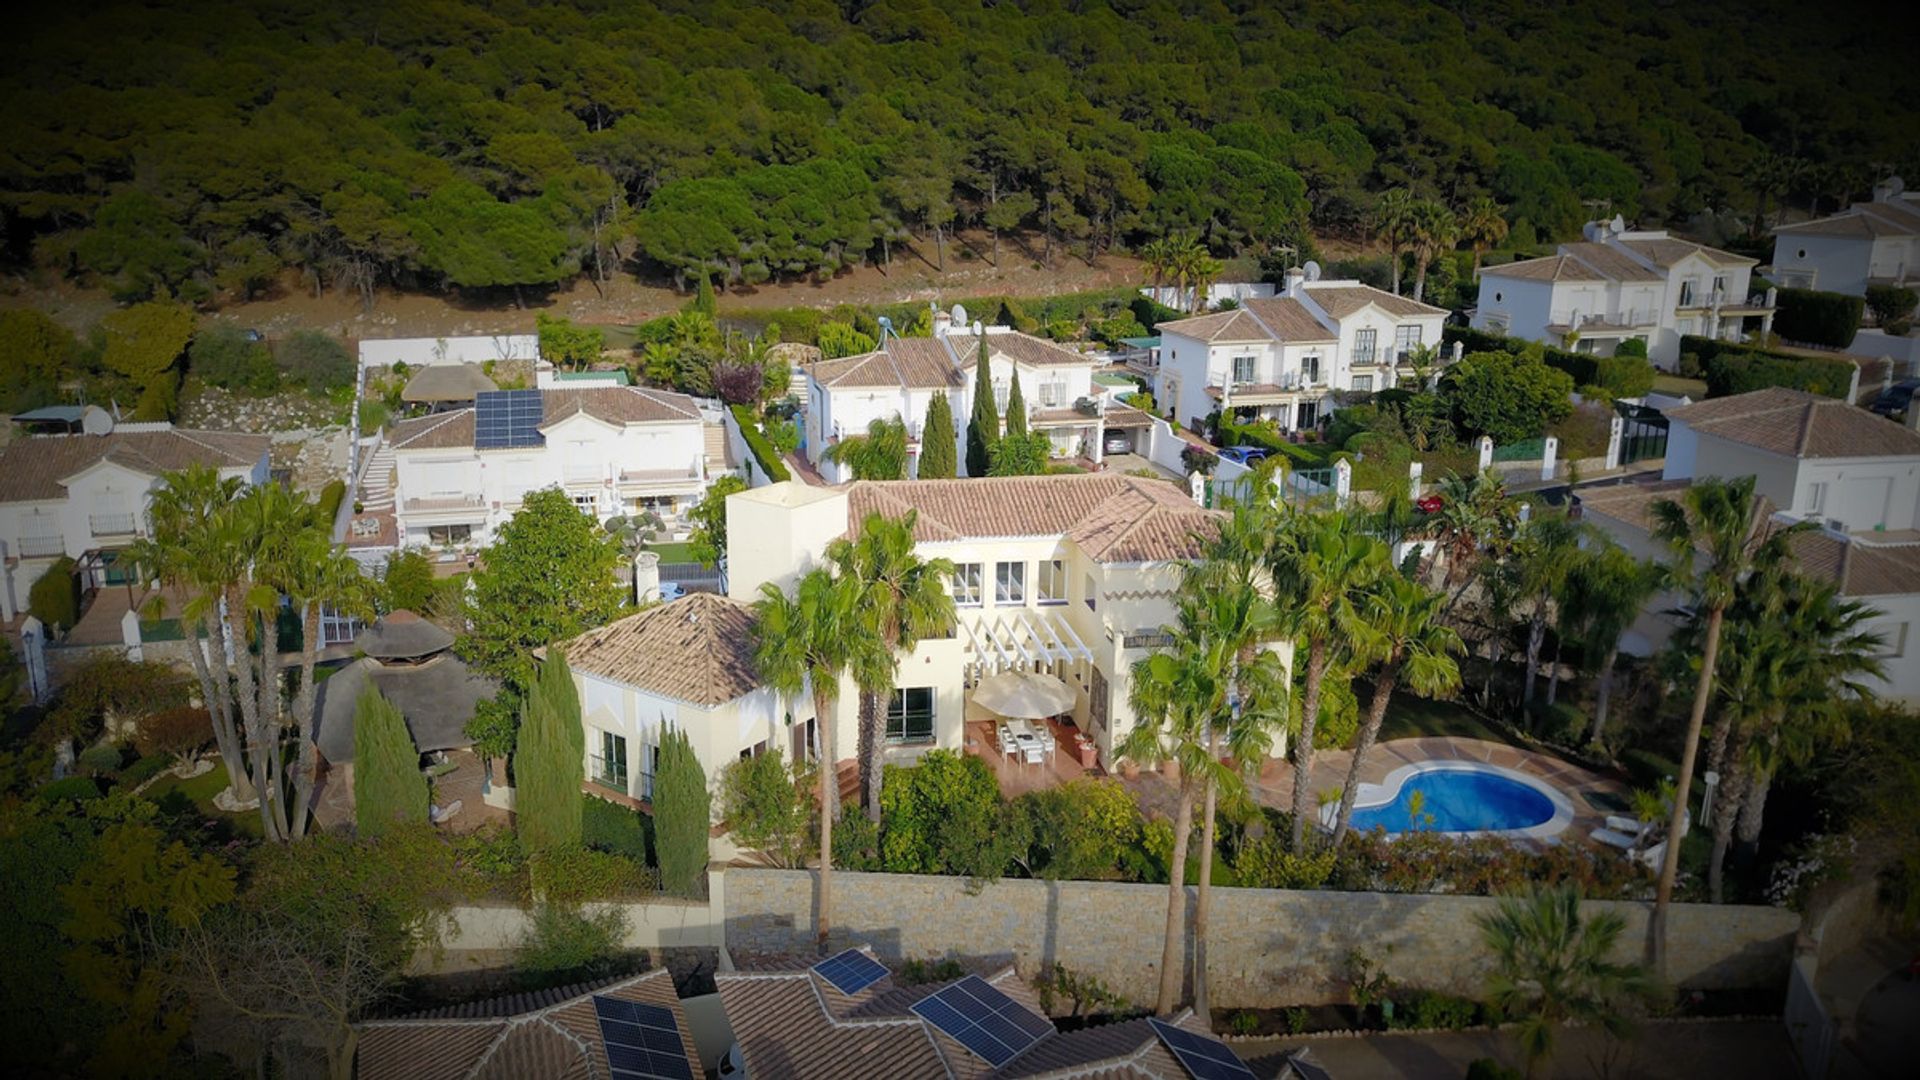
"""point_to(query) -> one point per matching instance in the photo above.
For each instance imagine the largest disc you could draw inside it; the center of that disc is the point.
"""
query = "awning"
(1025, 695)
(1017, 638)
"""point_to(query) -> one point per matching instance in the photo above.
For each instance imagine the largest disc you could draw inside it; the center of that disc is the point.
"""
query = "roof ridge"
(1255, 316)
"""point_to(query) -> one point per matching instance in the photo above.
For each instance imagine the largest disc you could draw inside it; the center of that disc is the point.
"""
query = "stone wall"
(1266, 947)
(651, 924)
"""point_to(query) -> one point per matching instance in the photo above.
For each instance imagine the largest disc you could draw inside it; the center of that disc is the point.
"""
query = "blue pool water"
(1459, 800)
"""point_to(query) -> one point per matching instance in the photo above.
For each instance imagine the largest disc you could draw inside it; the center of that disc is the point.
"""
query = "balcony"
(110, 524)
(444, 503)
(41, 547)
(1369, 357)
(1626, 322)
(608, 774)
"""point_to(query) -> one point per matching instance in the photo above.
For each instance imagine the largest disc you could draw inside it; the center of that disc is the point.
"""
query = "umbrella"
(1026, 695)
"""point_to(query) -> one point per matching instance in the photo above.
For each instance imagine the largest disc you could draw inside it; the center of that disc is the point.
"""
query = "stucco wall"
(651, 924)
(1266, 948)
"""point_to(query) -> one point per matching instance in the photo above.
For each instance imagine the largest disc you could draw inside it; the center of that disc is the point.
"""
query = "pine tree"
(938, 449)
(984, 429)
(681, 815)
(389, 789)
(1016, 409)
(549, 761)
(703, 299)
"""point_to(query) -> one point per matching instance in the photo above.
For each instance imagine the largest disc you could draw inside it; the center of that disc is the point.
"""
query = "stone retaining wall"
(651, 924)
(1267, 947)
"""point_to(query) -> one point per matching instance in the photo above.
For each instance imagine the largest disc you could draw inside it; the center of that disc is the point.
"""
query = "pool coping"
(1388, 789)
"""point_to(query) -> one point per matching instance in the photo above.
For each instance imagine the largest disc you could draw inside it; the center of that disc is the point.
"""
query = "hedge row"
(1818, 318)
(1732, 368)
(1620, 376)
(1303, 456)
(763, 451)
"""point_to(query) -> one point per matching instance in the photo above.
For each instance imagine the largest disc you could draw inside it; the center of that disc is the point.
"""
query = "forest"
(195, 151)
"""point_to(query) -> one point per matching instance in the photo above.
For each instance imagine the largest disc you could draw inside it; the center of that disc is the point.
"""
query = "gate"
(1643, 433)
(1807, 1022)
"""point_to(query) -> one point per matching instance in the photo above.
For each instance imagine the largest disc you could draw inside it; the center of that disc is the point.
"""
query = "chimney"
(1889, 189)
(646, 577)
(1294, 278)
(942, 322)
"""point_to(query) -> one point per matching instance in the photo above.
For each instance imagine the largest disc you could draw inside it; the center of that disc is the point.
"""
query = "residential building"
(900, 378)
(1869, 243)
(1069, 575)
(792, 1020)
(1283, 358)
(459, 475)
(1619, 285)
(85, 493)
(1813, 458)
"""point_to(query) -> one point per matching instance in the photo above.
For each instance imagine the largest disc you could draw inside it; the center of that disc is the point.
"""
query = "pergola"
(1022, 639)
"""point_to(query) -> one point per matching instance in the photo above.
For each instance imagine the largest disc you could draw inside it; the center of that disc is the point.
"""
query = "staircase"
(376, 483)
(718, 462)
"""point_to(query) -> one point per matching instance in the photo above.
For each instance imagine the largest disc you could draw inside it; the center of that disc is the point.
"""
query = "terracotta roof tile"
(1860, 565)
(1289, 320)
(697, 649)
(1021, 348)
(1667, 252)
(1798, 424)
(1609, 262)
(913, 363)
(1235, 325)
(32, 468)
(1115, 518)
(1340, 301)
(619, 404)
(1546, 268)
(441, 431)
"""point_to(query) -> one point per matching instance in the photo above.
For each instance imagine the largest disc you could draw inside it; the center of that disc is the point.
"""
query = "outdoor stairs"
(376, 483)
(716, 450)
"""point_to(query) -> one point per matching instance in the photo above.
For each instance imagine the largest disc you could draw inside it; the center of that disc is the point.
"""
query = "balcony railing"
(1369, 356)
(608, 774)
(42, 547)
(110, 524)
(445, 502)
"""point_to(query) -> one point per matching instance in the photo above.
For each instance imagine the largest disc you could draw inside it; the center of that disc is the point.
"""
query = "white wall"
(1864, 493)
(1528, 306)
(419, 352)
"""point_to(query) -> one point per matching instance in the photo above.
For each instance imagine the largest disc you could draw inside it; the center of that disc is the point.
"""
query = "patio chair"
(1614, 839)
(1633, 827)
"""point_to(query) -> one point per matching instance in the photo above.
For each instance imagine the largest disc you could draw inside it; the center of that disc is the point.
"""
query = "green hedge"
(1302, 455)
(1818, 318)
(763, 451)
(1620, 376)
(329, 503)
(1732, 368)
(55, 598)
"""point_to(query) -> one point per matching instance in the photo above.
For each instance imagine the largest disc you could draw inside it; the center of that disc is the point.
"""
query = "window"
(442, 535)
(1363, 384)
(1091, 595)
(1010, 583)
(610, 765)
(1720, 288)
(1053, 581)
(588, 502)
(1000, 391)
(1497, 297)
(1310, 369)
(1243, 369)
(1817, 498)
(966, 584)
(1686, 293)
(1053, 393)
(1308, 414)
(1405, 340)
(1364, 344)
(910, 715)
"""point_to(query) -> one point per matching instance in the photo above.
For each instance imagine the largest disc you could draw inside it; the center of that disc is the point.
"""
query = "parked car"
(671, 590)
(1118, 442)
(1895, 400)
(1244, 455)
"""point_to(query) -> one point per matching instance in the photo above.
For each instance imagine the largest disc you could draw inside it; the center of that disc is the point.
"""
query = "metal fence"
(691, 576)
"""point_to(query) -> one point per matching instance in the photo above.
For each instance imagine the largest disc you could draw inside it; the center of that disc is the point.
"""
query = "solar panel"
(642, 1041)
(503, 419)
(989, 1023)
(851, 972)
(1203, 1058)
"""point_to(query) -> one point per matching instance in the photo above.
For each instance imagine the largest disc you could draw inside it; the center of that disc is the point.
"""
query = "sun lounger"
(1614, 839)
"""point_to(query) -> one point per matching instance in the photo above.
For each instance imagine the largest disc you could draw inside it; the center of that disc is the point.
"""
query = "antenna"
(886, 328)
(1312, 270)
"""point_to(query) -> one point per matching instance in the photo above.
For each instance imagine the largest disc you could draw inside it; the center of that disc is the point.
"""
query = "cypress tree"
(938, 448)
(703, 299)
(1016, 410)
(389, 790)
(549, 761)
(681, 815)
(984, 429)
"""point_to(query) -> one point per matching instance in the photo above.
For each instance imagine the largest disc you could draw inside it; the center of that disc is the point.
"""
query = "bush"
(1266, 863)
(55, 598)
(763, 452)
(577, 875)
(174, 733)
(144, 770)
(327, 507)
(73, 787)
(945, 816)
(315, 361)
(1818, 318)
(1489, 1069)
(1430, 1009)
(1080, 830)
(1560, 723)
(1689, 366)
(224, 357)
(408, 584)
(389, 790)
(103, 760)
(1738, 369)
(562, 939)
(608, 826)
(1626, 373)
(1891, 304)
(767, 809)
(682, 816)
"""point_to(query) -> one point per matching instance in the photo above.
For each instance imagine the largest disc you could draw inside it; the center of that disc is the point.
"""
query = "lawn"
(1675, 386)
(1410, 717)
(177, 795)
(673, 552)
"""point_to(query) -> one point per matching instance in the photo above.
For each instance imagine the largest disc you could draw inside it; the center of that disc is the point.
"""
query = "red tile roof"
(1798, 424)
(32, 468)
(1114, 518)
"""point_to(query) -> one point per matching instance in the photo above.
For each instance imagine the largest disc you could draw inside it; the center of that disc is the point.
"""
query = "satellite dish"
(959, 315)
(1312, 270)
(1618, 224)
(886, 328)
(978, 330)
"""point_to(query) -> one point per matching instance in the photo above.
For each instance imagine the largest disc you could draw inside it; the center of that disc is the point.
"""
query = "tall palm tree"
(1483, 226)
(808, 641)
(1500, 598)
(1716, 535)
(1321, 564)
(906, 598)
(315, 574)
(1434, 231)
(1178, 695)
(1392, 217)
(1401, 633)
(1606, 592)
(1546, 550)
(1476, 524)
(1550, 966)
(1204, 269)
(1156, 258)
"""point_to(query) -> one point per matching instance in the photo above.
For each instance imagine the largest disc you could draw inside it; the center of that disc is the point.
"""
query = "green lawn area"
(176, 794)
(1676, 386)
(1410, 717)
(673, 552)
(618, 337)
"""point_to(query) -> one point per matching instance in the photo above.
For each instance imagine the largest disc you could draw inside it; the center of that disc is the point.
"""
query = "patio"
(1016, 775)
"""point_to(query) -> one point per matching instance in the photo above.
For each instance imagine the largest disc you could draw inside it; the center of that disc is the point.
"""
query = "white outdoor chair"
(1614, 839)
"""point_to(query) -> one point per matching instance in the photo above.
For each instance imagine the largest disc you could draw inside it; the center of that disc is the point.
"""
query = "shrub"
(1738, 370)
(389, 790)
(763, 452)
(55, 598)
(108, 687)
(1194, 459)
(549, 761)
(1688, 366)
(577, 875)
(327, 507)
(1489, 1069)
(681, 815)
(766, 808)
(1818, 318)
(408, 584)
(224, 357)
(1433, 1009)
(1079, 830)
(945, 816)
(102, 760)
(917, 972)
(315, 361)
(562, 939)
(182, 732)
(608, 826)
(1266, 863)
(1891, 304)
(73, 787)
(144, 770)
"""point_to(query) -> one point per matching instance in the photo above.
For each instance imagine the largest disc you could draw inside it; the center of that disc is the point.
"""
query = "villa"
(1869, 243)
(1620, 285)
(1283, 358)
(1071, 577)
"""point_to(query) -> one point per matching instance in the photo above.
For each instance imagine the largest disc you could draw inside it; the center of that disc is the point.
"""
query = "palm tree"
(1476, 523)
(808, 641)
(1546, 549)
(1484, 226)
(316, 574)
(1434, 231)
(1500, 597)
(1321, 564)
(1157, 258)
(1716, 534)
(1204, 269)
(905, 599)
(1606, 592)
(1392, 216)
(1401, 632)
(1550, 966)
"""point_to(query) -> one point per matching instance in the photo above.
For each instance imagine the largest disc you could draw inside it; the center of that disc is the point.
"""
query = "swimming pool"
(1462, 798)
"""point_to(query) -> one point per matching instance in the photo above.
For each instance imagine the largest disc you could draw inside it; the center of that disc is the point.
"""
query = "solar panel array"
(984, 1020)
(850, 972)
(503, 419)
(643, 1041)
(1203, 1058)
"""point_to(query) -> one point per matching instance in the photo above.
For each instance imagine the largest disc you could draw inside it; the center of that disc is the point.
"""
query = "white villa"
(459, 475)
(85, 493)
(1869, 243)
(1620, 284)
(1813, 459)
(1283, 357)
(898, 380)
(1069, 575)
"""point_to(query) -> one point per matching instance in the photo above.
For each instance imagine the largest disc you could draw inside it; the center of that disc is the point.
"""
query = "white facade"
(424, 352)
(1870, 243)
(1619, 285)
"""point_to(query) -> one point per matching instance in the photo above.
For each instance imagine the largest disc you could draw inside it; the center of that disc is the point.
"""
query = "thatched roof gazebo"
(408, 660)
(402, 636)
(446, 384)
